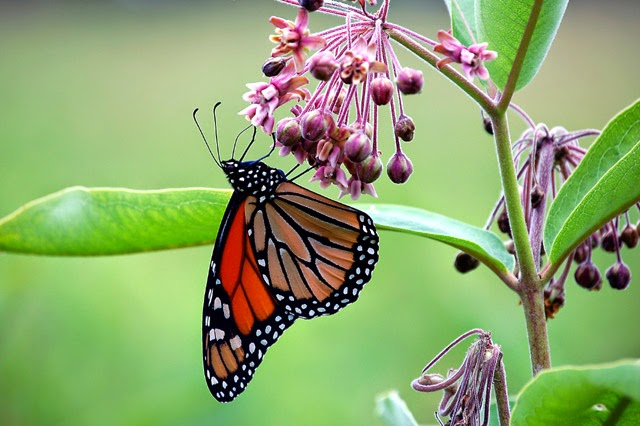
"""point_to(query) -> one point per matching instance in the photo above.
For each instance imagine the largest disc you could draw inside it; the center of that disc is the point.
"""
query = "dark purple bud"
(465, 262)
(405, 128)
(322, 65)
(370, 169)
(503, 222)
(629, 236)
(488, 126)
(273, 66)
(587, 275)
(311, 5)
(288, 131)
(314, 125)
(609, 242)
(409, 81)
(619, 276)
(381, 90)
(399, 168)
(358, 147)
(580, 253)
(595, 240)
(537, 195)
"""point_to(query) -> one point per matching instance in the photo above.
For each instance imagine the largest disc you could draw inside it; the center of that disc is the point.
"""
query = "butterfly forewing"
(315, 253)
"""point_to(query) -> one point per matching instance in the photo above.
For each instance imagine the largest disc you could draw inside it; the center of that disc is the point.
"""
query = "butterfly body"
(282, 253)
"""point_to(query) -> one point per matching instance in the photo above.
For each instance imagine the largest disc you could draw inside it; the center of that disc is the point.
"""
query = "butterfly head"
(252, 177)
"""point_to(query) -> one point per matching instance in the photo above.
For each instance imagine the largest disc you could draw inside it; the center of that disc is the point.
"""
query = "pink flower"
(328, 174)
(473, 60)
(356, 187)
(449, 46)
(266, 97)
(358, 61)
(294, 38)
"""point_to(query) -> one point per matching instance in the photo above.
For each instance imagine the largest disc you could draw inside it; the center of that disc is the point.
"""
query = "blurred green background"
(101, 94)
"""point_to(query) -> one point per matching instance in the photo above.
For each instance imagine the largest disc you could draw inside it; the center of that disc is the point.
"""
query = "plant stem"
(533, 304)
(502, 396)
(512, 200)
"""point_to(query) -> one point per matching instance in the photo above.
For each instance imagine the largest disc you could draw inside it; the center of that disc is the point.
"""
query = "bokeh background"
(101, 94)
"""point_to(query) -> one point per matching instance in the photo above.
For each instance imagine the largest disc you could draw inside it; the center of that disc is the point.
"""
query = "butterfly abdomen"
(253, 177)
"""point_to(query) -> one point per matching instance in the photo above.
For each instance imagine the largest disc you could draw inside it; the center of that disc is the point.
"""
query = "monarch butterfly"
(282, 253)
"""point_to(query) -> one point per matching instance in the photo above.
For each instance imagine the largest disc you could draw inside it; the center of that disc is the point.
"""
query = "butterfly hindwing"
(241, 318)
(315, 254)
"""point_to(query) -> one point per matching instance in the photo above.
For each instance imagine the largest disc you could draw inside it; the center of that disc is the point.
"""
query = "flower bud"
(537, 195)
(629, 236)
(619, 276)
(409, 81)
(322, 65)
(314, 125)
(273, 66)
(587, 275)
(609, 242)
(399, 168)
(488, 125)
(553, 300)
(311, 5)
(503, 222)
(288, 131)
(358, 147)
(405, 128)
(465, 262)
(371, 169)
(381, 90)
(580, 253)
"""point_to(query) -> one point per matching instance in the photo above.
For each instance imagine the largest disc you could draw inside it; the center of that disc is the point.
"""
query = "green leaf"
(463, 20)
(606, 183)
(99, 221)
(481, 244)
(501, 23)
(87, 222)
(393, 410)
(593, 395)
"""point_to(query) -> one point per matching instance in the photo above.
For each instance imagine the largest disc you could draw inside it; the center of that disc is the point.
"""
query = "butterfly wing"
(315, 254)
(241, 318)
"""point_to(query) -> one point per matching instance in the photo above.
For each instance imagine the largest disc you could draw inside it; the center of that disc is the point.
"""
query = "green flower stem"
(533, 303)
(519, 231)
(518, 61)
(485, 102)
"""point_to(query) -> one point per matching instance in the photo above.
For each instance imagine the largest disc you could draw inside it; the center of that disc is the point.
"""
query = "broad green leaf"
(463, 20)
(89, 222)
(481, 244)
(594, 395)
(606, 183)
(501, 23)
(393, 410)
(97, 221)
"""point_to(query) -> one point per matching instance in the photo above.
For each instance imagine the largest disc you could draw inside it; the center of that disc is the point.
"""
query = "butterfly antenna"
(215, 129)
(305, 171)
(253, 138)
(235, 143)
(195, 111)
(273, 147)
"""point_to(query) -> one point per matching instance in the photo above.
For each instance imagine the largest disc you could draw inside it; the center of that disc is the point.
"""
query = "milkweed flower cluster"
(544, 159)
(335, 128)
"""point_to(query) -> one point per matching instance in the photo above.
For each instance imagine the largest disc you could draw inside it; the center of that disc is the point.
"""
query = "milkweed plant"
(334, 99)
